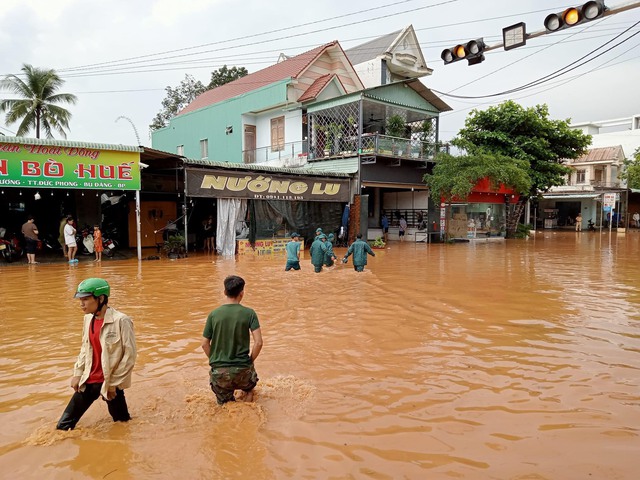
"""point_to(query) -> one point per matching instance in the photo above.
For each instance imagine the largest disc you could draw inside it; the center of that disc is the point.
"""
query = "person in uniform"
(359, 249)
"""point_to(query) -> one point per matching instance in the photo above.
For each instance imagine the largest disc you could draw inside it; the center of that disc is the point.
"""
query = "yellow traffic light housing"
(472, 51)
(575, 15)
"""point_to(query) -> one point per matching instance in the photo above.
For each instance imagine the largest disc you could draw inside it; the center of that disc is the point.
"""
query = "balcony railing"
(296, 154)
(603, 184)
(375, 144)
(288, 155)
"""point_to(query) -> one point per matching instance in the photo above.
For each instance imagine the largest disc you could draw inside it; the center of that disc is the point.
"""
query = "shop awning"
(406, 186)
(570, 196)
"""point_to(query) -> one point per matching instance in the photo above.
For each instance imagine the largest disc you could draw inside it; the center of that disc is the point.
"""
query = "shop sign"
(263, 186)
(609, 200)
(44, 166)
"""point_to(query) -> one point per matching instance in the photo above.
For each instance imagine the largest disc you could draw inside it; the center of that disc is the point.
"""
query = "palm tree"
(37, 108)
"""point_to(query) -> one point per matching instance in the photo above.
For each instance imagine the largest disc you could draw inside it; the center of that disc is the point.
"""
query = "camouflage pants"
(224, 380)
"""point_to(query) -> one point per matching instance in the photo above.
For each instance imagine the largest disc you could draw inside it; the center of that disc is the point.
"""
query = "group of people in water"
(108, 353)
(322, 254)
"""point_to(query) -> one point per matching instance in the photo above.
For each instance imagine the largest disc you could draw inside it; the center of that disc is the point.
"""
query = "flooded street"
(502, 360)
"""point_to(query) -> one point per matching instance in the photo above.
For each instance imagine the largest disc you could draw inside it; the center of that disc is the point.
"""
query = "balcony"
(293, 154)
(378, 145)
(297, 154)
(603, 184)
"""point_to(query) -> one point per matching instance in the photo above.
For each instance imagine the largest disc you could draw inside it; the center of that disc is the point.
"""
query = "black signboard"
(264, 186)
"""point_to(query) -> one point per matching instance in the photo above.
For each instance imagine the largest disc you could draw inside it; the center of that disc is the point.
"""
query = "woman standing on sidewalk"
(70, 240)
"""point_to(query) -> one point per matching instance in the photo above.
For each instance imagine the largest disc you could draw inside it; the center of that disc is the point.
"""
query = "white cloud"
(170, 12)
(48, 10)
(72, 33)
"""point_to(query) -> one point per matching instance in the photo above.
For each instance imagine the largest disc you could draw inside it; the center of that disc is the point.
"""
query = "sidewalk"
(47, 256)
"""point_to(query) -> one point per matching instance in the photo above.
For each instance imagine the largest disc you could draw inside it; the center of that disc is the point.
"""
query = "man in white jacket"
(106, 358)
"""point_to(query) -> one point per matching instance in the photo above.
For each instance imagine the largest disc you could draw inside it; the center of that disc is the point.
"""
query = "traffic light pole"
(610, 11)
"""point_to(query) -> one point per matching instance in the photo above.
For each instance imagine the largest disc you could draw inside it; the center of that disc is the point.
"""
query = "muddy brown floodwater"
(512, 360)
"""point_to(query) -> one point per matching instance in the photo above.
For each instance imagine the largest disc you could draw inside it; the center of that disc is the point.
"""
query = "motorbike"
(591, 227)
(84, 240)
(109, 246)
(10, 247)
(49, 242)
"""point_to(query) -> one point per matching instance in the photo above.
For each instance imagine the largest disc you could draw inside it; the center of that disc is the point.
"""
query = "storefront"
(51, 179)
(482, 214)
(262, 206)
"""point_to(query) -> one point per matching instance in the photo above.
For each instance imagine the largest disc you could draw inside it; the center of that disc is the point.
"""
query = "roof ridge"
(278, 71)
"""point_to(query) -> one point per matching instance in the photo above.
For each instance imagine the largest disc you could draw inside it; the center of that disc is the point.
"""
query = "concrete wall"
(211, 122)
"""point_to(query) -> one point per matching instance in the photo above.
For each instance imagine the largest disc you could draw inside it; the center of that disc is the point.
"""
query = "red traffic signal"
(574, 16)
(471, 51)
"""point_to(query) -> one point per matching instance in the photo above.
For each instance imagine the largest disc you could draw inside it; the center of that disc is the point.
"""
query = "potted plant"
(334, 132)
(174, 247)
(396, 127)
(378, 243)
(424, 136)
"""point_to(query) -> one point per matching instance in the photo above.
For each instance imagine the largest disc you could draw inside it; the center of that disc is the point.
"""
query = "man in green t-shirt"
(293, 253)
(226, 343)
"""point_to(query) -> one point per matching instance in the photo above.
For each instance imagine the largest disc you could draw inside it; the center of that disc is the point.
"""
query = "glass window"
(478, 220)
(204, 148)
(581, 176)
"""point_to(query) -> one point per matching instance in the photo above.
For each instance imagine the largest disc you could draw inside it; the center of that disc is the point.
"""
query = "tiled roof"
(290, 68)
(371, 49)
(307, 170)
(50, 142)
(605, 154)
(316, 87)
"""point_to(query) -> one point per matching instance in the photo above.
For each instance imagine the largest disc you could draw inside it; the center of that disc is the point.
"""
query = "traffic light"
(471, 51)
(574, 16)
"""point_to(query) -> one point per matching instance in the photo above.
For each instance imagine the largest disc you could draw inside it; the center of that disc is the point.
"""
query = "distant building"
(389, 58)
(594, 174)
(610, 133)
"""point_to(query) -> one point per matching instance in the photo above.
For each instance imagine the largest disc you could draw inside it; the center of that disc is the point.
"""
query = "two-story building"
(310, 115)
(593, 174)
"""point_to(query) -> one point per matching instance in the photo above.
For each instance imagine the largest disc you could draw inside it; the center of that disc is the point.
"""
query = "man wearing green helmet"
(106, 359)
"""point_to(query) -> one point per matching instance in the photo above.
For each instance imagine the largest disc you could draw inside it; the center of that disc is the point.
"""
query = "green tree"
(526, 134)
(631, 172)
(225, 75)
(454, 177)
(178, 98)
(38, 108)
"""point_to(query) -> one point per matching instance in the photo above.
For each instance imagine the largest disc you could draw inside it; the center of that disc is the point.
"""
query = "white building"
(595, 173)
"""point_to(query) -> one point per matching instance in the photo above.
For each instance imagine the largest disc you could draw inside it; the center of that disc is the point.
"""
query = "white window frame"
(204, 148)
(180, 150)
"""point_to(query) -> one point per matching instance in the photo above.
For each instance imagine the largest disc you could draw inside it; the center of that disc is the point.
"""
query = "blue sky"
(157, 42)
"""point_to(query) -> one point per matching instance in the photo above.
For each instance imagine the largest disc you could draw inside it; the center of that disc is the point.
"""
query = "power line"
(555, 74)
(120, 62)
(193, 63)
(556, 85)
(530, 55)
(275, 31)
(7, 130)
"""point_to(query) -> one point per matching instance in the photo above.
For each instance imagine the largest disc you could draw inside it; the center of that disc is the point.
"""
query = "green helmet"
(93, 286)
